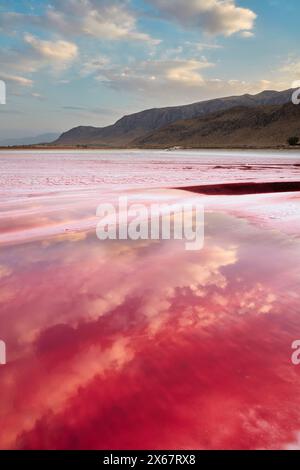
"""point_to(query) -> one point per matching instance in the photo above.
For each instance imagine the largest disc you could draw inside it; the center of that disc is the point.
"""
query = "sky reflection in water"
(145, 345)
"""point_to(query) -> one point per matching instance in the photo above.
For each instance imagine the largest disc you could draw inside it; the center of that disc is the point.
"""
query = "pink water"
(126, 345)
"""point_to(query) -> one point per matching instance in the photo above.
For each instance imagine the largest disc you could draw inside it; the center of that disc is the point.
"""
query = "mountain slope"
(137, 125)
(265, 126)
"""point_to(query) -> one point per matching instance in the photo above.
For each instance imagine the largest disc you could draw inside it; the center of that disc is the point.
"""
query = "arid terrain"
(267, 119)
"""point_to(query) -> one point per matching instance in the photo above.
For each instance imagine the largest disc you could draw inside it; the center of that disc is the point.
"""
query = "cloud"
(292, 68)
(186, 72)
(174, 81)
(201, 46)
(154, 74)
(94, 65)
(16, 79)
(247, 34)
(212, 16)
(61, 52)
(287, 74)
(101, 19)
(36, 54)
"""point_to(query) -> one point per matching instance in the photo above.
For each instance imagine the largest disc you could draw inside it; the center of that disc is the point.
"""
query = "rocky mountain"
(260, 126)
(136, 126)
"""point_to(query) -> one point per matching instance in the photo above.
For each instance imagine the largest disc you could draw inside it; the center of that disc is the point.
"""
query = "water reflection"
(145, 345)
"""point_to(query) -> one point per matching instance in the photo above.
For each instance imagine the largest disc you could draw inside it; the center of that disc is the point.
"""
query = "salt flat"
(51, 192)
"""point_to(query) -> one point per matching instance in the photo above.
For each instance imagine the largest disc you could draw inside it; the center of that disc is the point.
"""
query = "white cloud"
(288, 73)
(112, 22)
(212, 16)
(37, 54)
(150, 75)
(202, 46)
(59, 51)
(22, 81)
(101, 19)
(174, 82)
(247, 34)
(20, 65)
(186, 72)
(292, 68)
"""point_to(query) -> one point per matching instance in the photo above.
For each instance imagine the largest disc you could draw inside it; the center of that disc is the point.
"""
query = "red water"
(119, 346)
(127, 345)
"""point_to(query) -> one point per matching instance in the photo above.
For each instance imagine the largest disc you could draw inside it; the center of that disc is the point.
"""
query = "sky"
(89, 62)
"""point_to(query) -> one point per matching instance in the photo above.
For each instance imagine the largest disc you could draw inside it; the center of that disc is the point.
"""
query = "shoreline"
(89, 148)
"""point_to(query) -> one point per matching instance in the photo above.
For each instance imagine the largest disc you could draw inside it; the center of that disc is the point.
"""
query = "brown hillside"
(262, 126)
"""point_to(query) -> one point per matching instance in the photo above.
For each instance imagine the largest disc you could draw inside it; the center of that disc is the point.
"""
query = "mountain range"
(261, 126)
(261, 119)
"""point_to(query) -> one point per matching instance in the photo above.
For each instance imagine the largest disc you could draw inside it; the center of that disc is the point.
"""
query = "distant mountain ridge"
(260, 126)
(134, 127)
(40, 139)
